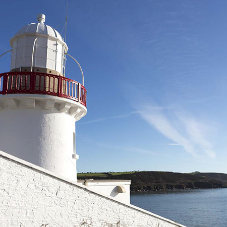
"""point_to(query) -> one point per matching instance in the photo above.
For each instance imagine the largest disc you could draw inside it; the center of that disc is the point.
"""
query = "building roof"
(39, 28)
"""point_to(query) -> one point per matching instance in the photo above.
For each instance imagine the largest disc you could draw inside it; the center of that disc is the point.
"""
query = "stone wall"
(33, 197)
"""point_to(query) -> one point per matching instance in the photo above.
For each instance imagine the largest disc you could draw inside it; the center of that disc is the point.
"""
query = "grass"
(121, 173)
(102, 175)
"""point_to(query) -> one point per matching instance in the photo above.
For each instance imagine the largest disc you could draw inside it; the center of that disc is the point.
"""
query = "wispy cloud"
(174, 144)
(186, 131)
(141, 151)
(163, 125)
(128, 149)
(196, 130)
(110, 118)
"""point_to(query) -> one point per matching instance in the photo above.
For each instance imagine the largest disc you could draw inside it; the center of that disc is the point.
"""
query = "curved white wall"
(36, 131)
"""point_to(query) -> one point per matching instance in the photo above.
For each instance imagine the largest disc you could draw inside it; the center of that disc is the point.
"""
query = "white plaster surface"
(33, 197)
(40, 135)
(109, 188)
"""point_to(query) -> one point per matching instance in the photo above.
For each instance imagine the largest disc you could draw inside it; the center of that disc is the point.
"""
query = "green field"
(102, 175)
(86, 175)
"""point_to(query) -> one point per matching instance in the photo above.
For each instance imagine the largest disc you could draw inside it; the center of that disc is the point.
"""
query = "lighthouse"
(38, 104)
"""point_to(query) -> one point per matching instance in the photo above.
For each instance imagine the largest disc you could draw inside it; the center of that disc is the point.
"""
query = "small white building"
(118, 189)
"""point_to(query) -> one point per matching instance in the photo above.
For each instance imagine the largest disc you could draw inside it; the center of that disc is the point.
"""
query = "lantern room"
(38, 47)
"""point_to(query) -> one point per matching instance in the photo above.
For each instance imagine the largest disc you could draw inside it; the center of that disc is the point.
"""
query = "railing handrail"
(42, 83)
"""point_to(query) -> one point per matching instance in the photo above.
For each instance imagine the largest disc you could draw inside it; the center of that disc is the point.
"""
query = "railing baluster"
(21, 77)
(79, 97)
(65, 91)
(25, 82)
(32, 82)
(60, 86)
(78, 93)
(16, 83)
(74, 89)
(49, 83)
(82, 94)
(5, 79)
(54, 85)
(69, 92)
(44, 83)
(11, 77)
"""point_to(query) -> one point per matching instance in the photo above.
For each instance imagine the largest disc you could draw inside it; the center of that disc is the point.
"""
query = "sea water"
(193, 208)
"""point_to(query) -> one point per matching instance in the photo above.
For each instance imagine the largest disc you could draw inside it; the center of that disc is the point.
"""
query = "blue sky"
(156, 77)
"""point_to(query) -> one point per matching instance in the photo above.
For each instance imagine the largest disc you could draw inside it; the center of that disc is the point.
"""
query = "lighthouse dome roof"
(39, 29)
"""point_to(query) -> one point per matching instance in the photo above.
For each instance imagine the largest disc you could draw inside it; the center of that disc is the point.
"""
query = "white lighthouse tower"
(38, 104)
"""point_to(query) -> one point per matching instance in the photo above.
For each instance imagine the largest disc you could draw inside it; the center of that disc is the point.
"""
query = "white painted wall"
(31, 196)
(109, 188)
(39, 130)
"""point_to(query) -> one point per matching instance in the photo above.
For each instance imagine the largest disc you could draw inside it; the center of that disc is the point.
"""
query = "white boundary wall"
(33, 197)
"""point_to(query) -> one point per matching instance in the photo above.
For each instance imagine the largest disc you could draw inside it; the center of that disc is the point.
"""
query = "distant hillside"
(154, 181)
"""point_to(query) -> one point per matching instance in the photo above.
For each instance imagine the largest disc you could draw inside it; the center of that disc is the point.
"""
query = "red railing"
(42, 83)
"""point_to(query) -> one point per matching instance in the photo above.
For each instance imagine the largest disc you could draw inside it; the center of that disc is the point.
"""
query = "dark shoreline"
(155, 181)
(169, 190)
